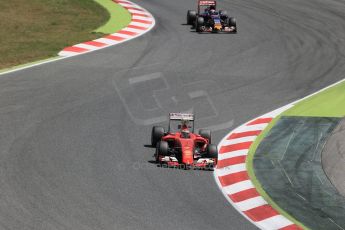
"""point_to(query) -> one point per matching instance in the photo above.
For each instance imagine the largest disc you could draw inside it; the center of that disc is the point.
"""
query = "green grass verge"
(39, 29)
(119, 17)
(328, 103)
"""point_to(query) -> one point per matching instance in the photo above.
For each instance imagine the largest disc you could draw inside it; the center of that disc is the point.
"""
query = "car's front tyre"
(199, 24)
(212, 151)
(232, 23)
(162, 149)
(191, 16)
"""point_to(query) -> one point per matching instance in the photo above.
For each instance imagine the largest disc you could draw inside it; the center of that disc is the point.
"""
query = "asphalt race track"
(73, 132)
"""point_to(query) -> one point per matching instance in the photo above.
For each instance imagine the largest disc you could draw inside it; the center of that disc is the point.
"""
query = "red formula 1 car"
(181, 147)
(207, 19)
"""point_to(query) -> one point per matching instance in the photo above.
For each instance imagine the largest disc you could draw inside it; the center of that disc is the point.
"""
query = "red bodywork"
(181, 147)
(186, 145)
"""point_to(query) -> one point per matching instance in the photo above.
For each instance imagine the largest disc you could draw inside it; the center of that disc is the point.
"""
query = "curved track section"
(73, 132)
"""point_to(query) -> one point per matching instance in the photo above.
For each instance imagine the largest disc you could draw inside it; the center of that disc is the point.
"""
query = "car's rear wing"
(181, 116)
(207, 3)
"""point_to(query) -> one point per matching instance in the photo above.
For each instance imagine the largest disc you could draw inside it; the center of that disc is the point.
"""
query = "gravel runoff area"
(333, 157)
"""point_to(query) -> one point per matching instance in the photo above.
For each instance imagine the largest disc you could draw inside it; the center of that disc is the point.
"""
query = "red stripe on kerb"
(124, 2)
(233, 178)
(244, 134)
(134, 8)
(235, 147)
(244, 195)
(137, 27)
(261, 213)
(94, 43)
(142, 21)
(231, 161)
(127, 32)
(116, 38)
(261, 121)
(141, 15)
(291, 227)
(75, 49)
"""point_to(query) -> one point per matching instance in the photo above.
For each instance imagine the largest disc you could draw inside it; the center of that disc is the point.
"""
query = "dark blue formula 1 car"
(207, 19)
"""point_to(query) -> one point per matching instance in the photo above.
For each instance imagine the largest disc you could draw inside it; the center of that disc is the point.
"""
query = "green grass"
(328, 103)
(38, 29)
(119, 17)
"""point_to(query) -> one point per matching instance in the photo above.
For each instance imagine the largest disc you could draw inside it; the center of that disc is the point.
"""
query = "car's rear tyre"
(199, 23)
(205, 133)
(191, 16)
(156, 135)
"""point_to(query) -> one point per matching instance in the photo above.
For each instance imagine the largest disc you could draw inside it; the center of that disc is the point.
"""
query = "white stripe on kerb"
(250, 128)
(250, 203)
(238, 187)
(141, 18)
(274, 222)
(231, 169)
(67, 53)
(125, 2)
(132, 30)
(276, 112)
(138, 24)
(227, 155)
(107, 41)
(239, 140)
(134, 11)
(85, 46)
(122, 35)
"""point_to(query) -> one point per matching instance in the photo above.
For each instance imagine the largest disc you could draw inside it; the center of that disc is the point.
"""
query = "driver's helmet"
(184, 124)
(212, 10)
(185, 133)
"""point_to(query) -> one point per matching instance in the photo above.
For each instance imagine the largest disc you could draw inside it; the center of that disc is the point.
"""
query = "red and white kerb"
(232, 177)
